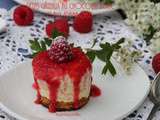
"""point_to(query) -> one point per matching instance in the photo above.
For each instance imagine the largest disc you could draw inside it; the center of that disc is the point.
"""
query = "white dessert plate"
(69, 8)
(121, 95)
(3, 25)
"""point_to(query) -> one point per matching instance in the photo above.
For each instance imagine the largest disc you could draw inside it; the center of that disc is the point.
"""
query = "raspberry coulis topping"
(50, 71)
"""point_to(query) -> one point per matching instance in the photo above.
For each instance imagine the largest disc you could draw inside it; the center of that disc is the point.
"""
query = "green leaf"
(48, 41)
(101, 55)
(56, 33)
(111, 68)
(94, 43)
(122, 40)
(149, 36)
(43, 46)
(31, 41)
(105, 54)
(105, 46)
(117, 46)
(35, 45)
(108, 1)
(91, 55)
(105, 69)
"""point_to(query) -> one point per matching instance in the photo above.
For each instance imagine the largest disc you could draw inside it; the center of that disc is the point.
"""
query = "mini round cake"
(62, 77)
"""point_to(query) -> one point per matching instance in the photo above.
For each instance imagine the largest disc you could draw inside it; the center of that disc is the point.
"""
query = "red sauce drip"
(38, 100)
(76, 68)
(76, 93)
(53, 88)
(95, 91)
(35, 85)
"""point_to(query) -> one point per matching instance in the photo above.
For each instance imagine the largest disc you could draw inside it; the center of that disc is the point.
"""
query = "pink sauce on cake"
(44, 69)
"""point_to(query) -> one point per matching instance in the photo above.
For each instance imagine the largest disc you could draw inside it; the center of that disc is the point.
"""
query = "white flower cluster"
(155, 43)
(127, 57)
(142, 14)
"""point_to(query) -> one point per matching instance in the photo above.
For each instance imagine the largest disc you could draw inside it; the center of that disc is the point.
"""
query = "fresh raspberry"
(83, 22)
(60, 50)
(23, 15)
(156, 63)
(60, 24)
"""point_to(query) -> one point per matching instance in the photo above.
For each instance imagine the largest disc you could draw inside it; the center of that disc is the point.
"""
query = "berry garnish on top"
(83, 22)
(39, 45)
(60, 50)
(156, 63)
(23, 15)
(61, 25)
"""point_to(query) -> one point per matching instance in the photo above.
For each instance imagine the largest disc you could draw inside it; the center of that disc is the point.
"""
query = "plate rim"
(15, 115)
(94, 12)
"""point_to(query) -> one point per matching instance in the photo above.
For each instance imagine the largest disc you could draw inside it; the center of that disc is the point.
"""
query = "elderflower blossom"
(156, 16)
(155, 43)
(129, 6)
(148, 15)
(127, 57)
(144, 17)
(141, 14)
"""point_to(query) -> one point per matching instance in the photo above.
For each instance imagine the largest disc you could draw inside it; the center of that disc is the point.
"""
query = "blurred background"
(7, 4)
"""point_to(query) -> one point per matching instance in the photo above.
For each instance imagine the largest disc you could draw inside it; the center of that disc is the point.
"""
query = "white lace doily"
(14, 46)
